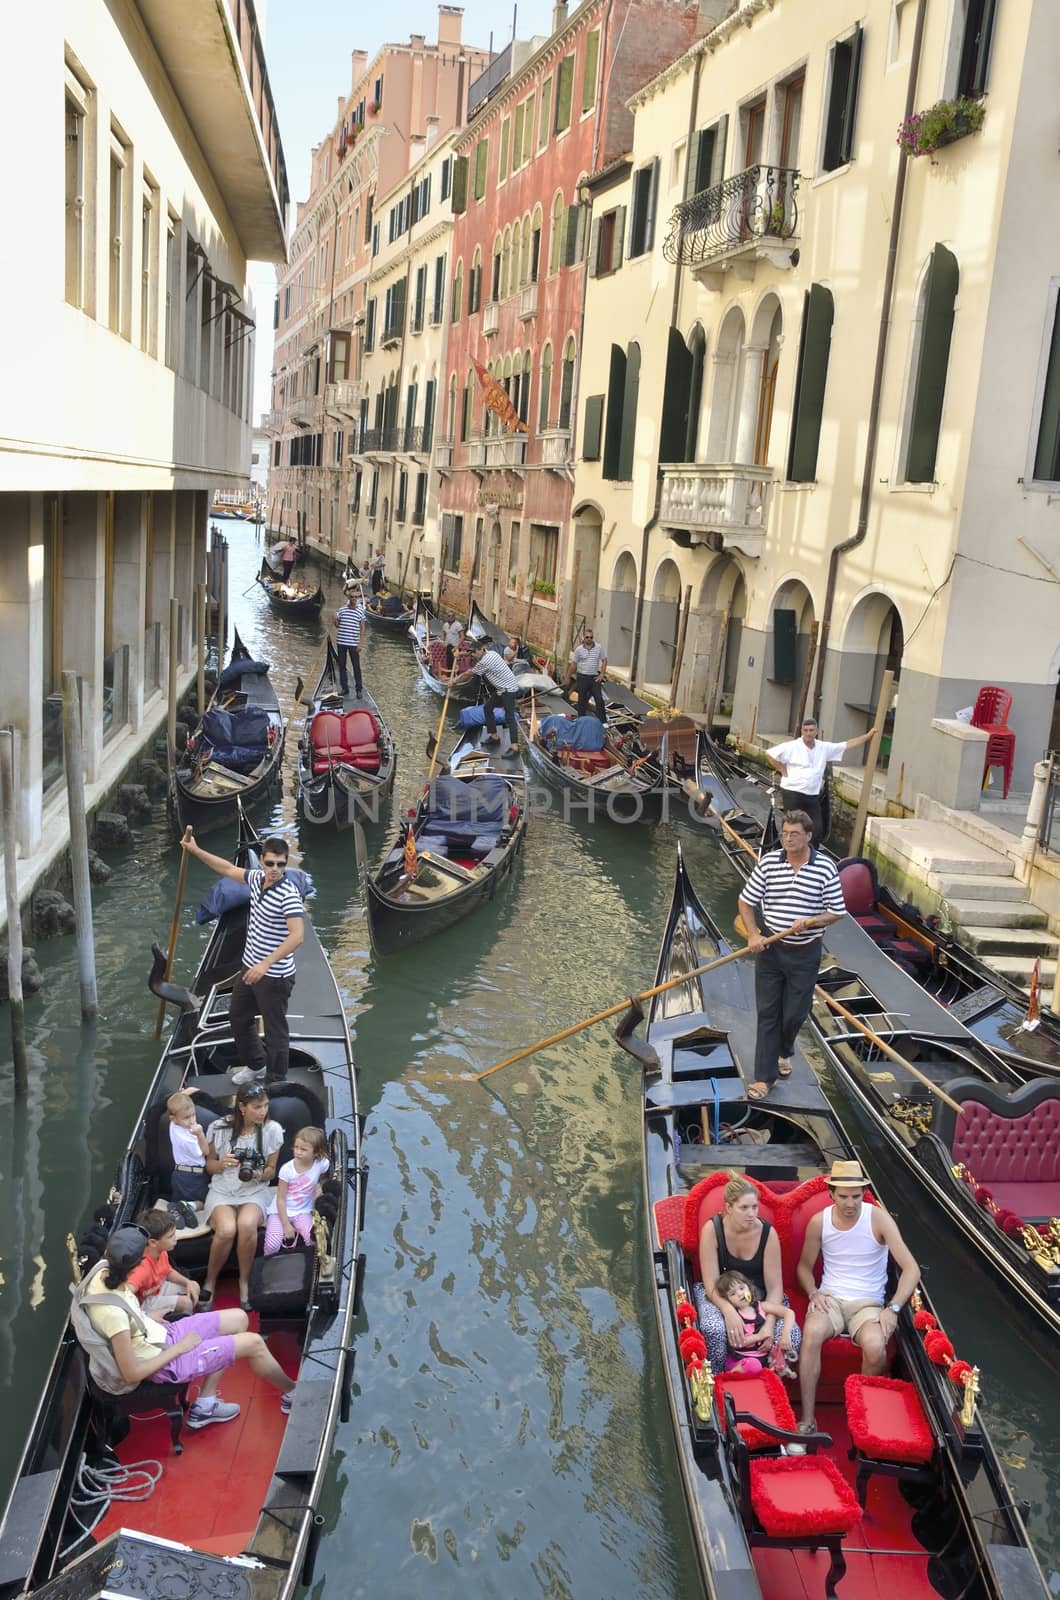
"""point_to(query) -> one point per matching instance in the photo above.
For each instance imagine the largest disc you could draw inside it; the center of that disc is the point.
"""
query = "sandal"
(784, 1067)
(758, 1090)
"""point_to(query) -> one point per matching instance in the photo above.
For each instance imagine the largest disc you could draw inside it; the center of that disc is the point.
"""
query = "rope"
(102, 1485)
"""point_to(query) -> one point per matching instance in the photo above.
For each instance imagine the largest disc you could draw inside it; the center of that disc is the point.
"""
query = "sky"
(307, 52)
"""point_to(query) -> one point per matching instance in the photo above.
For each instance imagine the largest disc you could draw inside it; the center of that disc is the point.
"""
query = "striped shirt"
(786, 896)
(588, 660)
(496, 671)
(267, 921)
(349, 621)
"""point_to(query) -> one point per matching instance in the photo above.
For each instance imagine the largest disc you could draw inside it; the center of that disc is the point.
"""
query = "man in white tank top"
(853, 1241)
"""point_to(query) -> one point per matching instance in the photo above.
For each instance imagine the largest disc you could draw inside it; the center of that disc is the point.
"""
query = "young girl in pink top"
(298, 1184)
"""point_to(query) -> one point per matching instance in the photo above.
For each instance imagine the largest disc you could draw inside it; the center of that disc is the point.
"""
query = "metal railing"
(760, 203)
(488, 82)
(1049, 828)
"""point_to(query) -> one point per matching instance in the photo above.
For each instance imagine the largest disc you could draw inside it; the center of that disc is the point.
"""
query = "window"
(810, 379)
(495, 279)
(465, 409)
(373, 493)
(622, 393)
(338, 441)
(524, 388)
(545, 119)
(148, 264)
(419, 507)
(421, 199)
(447, 177)
(375, 238)
(358, 478)
(117, 310)
(545, 397)
(535, 246)
(401, 507)
(460, 185)
(451, 435)
(458, 292)
(605, 249)
(642, 222)
(1047, 449)
(682, 391)
(517, 141)
(706, 166)
(970, 47)
(420, 300)
(369, 327)
(394, 312)
(287, 304)
(438, 297)
(938, 295)
(368, 206)
(338, 357)
(564, 87)
(528, 130)
(566, 388)
(506, 133)
(482, 150)
(592, 57)
(78, 210)
(428, 412)
(844, 70)
(474, 284)
(377, 94)
(452, 539)
(555, 245)
(544, 548)
(173, 298)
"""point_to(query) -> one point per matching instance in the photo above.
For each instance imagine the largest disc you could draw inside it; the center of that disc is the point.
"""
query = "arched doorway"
(872, 644)
(494, 573)
(661, 624)
(621, 606)
(720, 616)
(789, 659)
(585, 569)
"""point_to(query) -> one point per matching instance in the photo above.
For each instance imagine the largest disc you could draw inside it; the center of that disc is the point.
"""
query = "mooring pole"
(14, 915)
(222, 626)
(200, 630)
(74, 761)
(174, 645)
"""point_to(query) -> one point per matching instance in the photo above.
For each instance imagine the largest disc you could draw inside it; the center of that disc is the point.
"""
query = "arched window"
(566, 387)
(524, 392)
(474, 286)
(495, 276)
(811, 375)
(545, 396)
(451, 418)
(555, 243)
(535, 246)
(517, 253)
(469, 394)
(458, 291)
(524, 262)
(938, 295)
(506, 263)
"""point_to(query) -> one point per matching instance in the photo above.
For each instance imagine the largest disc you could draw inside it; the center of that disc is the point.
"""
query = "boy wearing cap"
(854, 1241)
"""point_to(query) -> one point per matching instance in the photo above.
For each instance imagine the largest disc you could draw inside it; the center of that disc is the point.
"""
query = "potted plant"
(946, 121)
(542, 587)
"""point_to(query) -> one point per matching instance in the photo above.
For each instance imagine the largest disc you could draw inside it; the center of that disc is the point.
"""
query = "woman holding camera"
(244, 1147)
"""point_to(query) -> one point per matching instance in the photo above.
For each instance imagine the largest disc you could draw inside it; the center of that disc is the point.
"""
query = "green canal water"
(509, 1434)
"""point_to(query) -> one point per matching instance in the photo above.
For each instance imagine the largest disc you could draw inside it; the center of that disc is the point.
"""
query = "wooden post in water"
(74, 762)
(200, 646)
(14, 915)
(883, 705)
(222, 608)
(679, 653)
(171, 729)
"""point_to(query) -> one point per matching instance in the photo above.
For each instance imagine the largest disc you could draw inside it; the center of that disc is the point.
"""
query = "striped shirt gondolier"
(786, 896)
(350, 620)
(267, 921)
(587, 659)
(492, 666)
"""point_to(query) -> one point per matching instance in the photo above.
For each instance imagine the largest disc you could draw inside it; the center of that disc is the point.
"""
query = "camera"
(251, 1163)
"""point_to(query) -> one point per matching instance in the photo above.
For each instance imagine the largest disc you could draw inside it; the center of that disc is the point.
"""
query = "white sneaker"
(243, 1075)
(220, 1411)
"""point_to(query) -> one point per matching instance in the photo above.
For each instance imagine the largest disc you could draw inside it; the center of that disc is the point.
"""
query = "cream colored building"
(839, 477)
(144, 170)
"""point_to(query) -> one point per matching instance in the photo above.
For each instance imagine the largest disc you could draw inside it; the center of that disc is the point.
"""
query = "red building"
(521, 249)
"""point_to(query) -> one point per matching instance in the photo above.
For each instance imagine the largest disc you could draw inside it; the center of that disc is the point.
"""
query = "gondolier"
(491, 667)
(452, 633)
(350, 622)
(275, 929)
(798, 887)
(801, 763)
(589, 664)
(377, 568)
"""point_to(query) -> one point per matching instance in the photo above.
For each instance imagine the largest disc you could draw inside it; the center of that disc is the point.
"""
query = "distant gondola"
(245, 1525)
(235, 754)
(913, 1446)
(468, 829)
(429, 651)
(290, 598)
(391, 613)
(346, 755)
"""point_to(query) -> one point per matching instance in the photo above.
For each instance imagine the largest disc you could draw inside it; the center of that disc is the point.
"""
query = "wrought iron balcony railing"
(760, 204)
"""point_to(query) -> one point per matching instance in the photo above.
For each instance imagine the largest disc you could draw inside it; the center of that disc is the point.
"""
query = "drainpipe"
(642, 586)
(872, 438)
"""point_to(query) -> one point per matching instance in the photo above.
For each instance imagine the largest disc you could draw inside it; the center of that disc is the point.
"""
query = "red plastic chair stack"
(991, 711)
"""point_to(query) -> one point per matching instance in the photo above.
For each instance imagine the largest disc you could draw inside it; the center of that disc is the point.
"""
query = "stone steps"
(969, 886)
(969, 914)
(1025, 942)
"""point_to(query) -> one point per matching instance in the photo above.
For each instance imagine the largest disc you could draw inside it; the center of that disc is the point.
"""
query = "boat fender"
(172, 992)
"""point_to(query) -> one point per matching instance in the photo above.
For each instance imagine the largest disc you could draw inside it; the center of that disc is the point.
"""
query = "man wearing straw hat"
(854, 1242)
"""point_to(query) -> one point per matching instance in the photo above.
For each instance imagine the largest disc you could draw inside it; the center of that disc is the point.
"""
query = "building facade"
(822, 411)
(153, 172)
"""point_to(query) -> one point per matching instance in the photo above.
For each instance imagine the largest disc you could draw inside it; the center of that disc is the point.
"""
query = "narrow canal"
(509, 1435)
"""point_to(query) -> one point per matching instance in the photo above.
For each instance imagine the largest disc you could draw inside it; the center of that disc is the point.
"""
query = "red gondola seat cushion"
(761, 1393)
(350, 741)
(587, 761)
(887, 1421)
(795, 1496)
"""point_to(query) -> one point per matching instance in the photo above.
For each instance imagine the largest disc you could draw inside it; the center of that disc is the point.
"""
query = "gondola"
(235, 755)
(430, 655)
(234, 1510)
(924, 1507)
(391, 613)
(453, 854)
(346, 755)
(290, 599)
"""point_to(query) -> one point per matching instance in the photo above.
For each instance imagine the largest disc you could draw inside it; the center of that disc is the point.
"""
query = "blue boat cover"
(249, 727)
(482, 801)
(226, 894)
(475, 717)
(391, 605)
(573, 733)
(242, 669)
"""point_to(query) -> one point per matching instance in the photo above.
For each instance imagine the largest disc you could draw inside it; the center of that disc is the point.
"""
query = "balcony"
(303, 410)
(506, 450)
(528, 301)
(490, 318)
(723, 507)
(443, 455)
(415, 441)
(371, 442)
(752, 217)
(213, 57)
(393, 328)
(272, 422)
(554, 444)
(342, 397)
(476, 453)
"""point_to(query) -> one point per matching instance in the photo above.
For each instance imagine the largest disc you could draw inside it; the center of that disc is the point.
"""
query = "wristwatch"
(895, 1307)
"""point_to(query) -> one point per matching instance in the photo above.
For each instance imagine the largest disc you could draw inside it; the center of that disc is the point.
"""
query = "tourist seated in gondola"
(244, 1149)
(739, 1240)
(160, 1288)
(752, 1312)
(188, 1144)
(126, 1348)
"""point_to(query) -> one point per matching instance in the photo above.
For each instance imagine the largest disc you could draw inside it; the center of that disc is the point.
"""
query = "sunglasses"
(267, 861)
(247, 1095)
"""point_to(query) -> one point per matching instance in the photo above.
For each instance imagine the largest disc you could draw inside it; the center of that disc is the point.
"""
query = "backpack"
(101, 1363)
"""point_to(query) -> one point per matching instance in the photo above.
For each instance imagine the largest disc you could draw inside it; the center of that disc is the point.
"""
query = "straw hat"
(847, 1175)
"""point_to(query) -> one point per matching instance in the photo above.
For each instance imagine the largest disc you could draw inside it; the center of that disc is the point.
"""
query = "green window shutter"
(460, 185)
(616, 388)
(1047, 455)
(620, 234)
(482, 150)
(630, 393)
(652, 202)
(592, 430)
(545, 120)
(811, 376)
(592, 57)
(783, 647)
(570, 237)
(674, 425)
(701, 163)
(594, 248)
(842, 102)
(566, 391)
(517, 141)
(850, 102)
(940, 293)
(528, 129)
(506, 133)
(975, 50)
(564, 87)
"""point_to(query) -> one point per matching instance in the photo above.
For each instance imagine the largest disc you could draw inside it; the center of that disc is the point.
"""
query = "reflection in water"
(509, 1434)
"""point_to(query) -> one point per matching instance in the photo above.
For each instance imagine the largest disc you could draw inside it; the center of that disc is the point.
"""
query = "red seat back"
(325, 731)
(992, 707)
(360, 730)
(856, 882)
(999, 1149)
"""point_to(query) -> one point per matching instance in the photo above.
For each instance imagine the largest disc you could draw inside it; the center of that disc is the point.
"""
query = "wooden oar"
(834, 1004)
(623, 1005)
(174, 929)
(436, 739)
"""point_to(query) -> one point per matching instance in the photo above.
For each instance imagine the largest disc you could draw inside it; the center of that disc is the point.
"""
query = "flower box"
(943, 123)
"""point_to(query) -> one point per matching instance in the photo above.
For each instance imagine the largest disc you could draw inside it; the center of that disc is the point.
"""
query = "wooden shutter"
(1047, 454)
(545, 118)
(850, 99)
(783, 647)
(517, 139)
(616, 388)
(528, 129)
(701, 164)
(564, 86)
(460, 185)
(592, 57)
(935, 334)
(594, 249)
(593, 427)
(674, 425)
(506, 133)
(428, 412)
(630, 393)
(481, 157)
(620, 234)
(975, 50)
(810, 378)
(570, 237)
(651, 201)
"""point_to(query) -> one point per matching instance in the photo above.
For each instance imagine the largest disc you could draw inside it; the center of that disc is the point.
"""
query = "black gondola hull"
(213, 797)
(343, 794)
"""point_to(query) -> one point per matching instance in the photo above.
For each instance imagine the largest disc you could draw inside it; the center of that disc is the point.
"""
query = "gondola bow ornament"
(495, 399)
(1034, 1005)
(412, 860)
